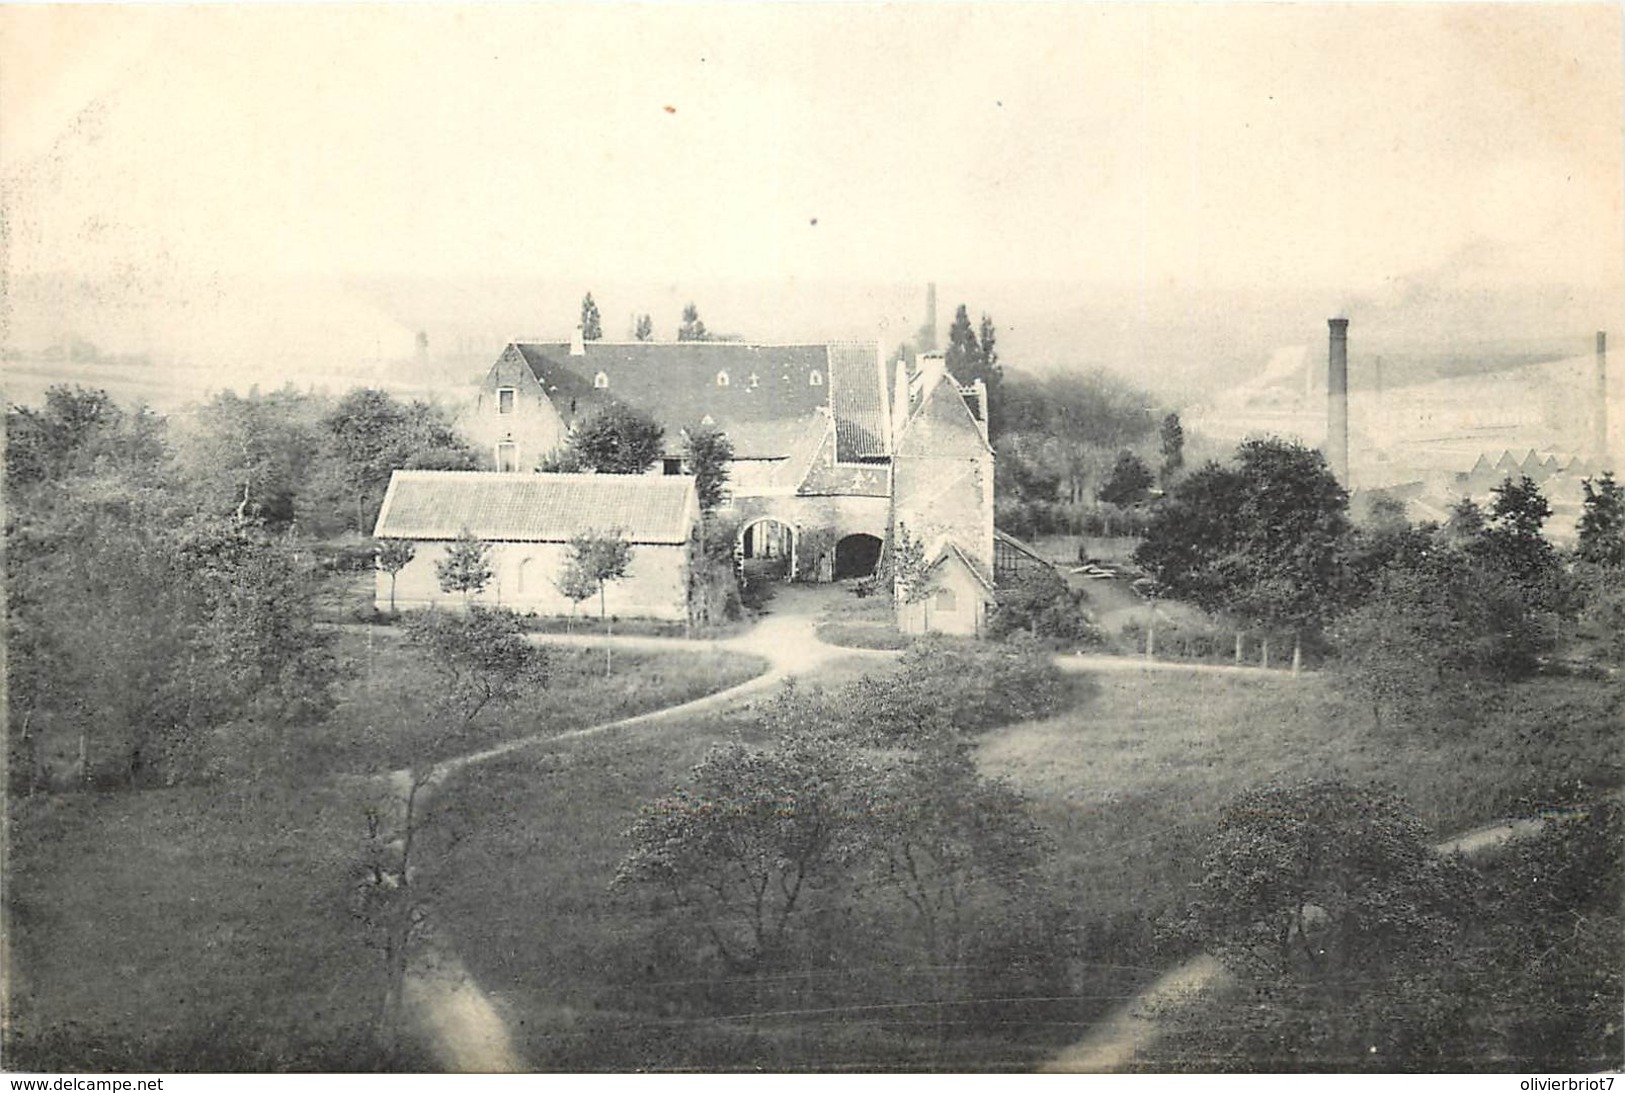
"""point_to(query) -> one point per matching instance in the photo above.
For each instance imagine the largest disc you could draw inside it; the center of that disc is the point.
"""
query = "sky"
(160, 159)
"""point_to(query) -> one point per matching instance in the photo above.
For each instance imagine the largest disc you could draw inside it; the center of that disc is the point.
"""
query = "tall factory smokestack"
(1337, 400)
(926, 340)
(1601, 439)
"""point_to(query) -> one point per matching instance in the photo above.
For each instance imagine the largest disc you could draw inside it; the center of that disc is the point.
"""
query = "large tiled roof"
(857, 398)
(768, 386)
(543, 508)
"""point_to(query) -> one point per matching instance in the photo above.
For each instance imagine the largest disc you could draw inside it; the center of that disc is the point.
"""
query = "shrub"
(947, 688)
(1040, 604)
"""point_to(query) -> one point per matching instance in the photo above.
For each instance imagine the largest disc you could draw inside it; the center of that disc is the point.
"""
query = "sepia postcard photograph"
(894, 539)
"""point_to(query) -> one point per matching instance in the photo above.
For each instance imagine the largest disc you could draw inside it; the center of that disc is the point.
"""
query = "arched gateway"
(856, 556)
(766, 549)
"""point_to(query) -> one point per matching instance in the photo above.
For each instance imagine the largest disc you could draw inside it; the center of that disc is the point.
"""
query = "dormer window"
(600, 381)
(722, 379)
(505, 400)
(708, 420)
(815, 379)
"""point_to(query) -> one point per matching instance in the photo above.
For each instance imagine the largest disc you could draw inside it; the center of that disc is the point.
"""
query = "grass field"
(586, 974)
(209, 927)
(380, 721)
(1131, 784)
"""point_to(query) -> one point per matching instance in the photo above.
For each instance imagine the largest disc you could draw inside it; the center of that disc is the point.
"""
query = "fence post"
(1266, 653)
(1297, 655)
(1238, 648)
(1151, 640)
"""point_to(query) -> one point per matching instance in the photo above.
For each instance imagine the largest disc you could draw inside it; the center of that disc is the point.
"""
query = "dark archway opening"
(856, 556)
(765, 550)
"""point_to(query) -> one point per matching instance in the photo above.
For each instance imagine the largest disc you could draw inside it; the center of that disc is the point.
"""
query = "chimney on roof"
(1337, 400)
(979, 393)
(578, 343)
(1600, 441)
(899, 399)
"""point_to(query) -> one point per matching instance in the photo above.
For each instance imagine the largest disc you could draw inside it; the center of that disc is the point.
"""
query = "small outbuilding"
(529, 520)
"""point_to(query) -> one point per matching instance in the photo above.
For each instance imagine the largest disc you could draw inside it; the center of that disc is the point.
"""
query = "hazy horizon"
(1169, 192)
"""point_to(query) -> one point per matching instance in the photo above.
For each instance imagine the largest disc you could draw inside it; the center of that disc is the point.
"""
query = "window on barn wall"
(520, 574)
(722, 379)
(816, 379)
(505, 400)
(507, 457)
(600, 381)
(946, 600)
(671, 466)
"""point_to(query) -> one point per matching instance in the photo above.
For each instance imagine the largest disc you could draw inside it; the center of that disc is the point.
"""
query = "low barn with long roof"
(529, 520)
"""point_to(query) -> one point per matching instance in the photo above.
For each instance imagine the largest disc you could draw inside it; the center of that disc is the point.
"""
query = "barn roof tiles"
(540, 508)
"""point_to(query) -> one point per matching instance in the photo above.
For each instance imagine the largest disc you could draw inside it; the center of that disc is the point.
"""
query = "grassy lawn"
(860, 623)
(209, 927)
(380, 723)
(196, 928)
(1131, 783)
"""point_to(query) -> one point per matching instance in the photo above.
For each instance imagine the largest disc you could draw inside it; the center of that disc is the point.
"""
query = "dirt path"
(464, 1027)
(466, 1031)
(1101, 662)
(1112, 1045)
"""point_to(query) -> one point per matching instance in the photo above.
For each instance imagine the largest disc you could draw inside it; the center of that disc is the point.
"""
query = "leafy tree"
(80, 432)
(466, 567)
(251, 457)
(1466, 522)
(911, 576)
(1513, 542)
(592, 327)
(707, 453)
(1071, 425)
(576, 585)
(1172, 446)
(1321, 877)
(1550, 983)
(1602, 522)
(1129, 482)
(370, 435)
(593, 560)
(481, 659)
(645, 329)
(394, 555)
(964, 355)
(946, 838)
(693, 329)
(1262, 538)
(616, 440)
(759, 836)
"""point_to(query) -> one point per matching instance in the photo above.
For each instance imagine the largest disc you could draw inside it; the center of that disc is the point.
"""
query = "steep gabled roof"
(537, 508)
(947, 549)
(942, 424)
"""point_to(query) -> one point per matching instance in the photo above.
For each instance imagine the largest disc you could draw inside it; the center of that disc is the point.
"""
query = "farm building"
(529, 520)
(834, 448)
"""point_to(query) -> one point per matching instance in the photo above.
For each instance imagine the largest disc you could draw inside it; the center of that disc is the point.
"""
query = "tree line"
(163, 575)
